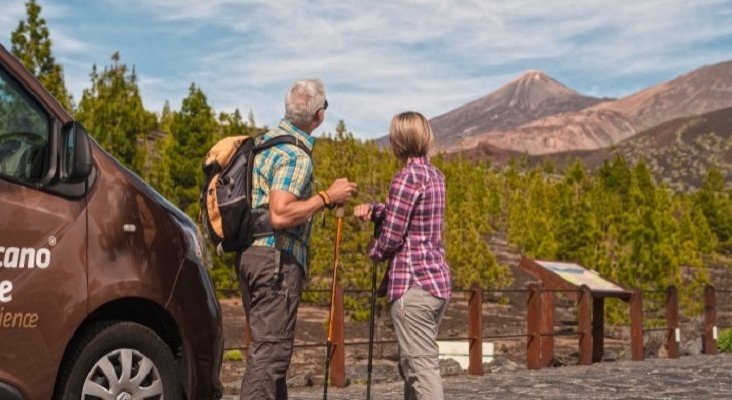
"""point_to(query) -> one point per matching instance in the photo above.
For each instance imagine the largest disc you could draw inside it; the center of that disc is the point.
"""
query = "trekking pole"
(340, 213)
(374, 265)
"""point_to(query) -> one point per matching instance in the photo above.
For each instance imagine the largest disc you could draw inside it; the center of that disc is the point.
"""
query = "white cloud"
(70, 51)
(62, 42)
(67, 44)
(12, 12)
(382, 57)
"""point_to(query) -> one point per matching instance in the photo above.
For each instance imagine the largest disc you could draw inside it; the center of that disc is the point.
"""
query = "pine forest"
(616, 219)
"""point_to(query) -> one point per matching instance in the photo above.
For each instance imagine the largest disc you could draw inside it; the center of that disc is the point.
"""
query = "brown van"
(103, 289)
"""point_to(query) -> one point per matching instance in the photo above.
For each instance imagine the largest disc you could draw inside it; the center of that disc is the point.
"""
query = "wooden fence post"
(584, 325)
(673, 336)
(598, 328)
(475, 331)
(709, 337)
(338, 362)
(547, 329)
(636, 325)
(533, 327)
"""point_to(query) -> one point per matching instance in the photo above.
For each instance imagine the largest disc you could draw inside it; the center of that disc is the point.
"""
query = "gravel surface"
(693, 377)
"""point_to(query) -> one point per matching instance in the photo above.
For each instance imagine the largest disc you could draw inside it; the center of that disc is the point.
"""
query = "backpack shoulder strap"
(283, 139)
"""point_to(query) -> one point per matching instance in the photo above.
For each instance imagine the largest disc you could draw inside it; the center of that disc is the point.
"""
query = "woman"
(418, 279)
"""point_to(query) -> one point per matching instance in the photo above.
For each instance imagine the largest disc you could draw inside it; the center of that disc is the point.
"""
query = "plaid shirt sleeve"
(292, 174)
(395, 214)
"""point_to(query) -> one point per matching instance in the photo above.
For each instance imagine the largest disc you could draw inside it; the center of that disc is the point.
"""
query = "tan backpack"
(225, 198)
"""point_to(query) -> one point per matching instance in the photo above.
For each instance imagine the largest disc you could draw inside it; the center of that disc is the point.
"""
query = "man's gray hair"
(303, 100)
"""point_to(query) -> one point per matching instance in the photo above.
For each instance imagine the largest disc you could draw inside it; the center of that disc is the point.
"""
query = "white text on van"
(25, 257)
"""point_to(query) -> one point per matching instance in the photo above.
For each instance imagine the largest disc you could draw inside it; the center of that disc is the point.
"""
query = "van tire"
(101, 339)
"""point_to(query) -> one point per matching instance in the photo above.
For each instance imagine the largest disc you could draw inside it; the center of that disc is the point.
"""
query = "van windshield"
(24, 130)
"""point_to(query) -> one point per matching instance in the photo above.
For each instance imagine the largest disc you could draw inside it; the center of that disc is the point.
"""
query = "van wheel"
(119, 361)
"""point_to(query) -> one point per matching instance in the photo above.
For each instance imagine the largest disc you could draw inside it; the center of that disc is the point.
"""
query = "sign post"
(590, 290)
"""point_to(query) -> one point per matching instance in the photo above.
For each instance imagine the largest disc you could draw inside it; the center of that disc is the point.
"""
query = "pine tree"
(467, 225)
(193, 131)
(716, 204)
(232, 124)
(577, 230)
(250, 119)
(113, 113)
(158, 155)
(31, 44)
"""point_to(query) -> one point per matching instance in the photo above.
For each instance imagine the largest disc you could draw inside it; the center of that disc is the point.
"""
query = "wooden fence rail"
(540, 333)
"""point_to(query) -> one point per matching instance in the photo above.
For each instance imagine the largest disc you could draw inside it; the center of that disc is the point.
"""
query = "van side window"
(24, 130)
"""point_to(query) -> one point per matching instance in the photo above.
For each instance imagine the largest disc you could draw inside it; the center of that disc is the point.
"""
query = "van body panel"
(49, 292)
(194, 306)
(136, 245)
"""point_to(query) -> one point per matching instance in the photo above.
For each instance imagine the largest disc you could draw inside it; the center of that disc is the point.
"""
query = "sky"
(378, 58)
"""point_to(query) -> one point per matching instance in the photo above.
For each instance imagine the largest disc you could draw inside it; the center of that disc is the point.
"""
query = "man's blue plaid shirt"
(285, 167)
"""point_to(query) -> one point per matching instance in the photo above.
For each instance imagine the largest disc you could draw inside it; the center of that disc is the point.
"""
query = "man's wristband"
(325, 202)
(326, 199)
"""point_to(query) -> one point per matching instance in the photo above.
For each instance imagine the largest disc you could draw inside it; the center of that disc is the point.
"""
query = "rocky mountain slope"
(703, 90)
(529, 97)
(679, 152)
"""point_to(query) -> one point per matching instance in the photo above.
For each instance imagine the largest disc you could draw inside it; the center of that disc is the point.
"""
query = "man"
(273, 269)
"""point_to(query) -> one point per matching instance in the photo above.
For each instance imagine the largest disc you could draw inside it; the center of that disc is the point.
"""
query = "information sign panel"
(578, 275)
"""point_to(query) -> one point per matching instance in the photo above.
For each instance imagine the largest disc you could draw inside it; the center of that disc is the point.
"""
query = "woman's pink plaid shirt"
(412, 220)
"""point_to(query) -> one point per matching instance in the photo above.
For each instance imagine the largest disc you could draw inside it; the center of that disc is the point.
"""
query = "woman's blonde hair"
(410, 135)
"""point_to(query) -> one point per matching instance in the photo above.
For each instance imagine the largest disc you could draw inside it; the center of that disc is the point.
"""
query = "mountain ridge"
(678, 152)
(532, 95)
(702, 90)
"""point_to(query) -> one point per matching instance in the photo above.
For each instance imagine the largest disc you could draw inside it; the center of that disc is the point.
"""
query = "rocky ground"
(308, 362)
(693, 377)
(506, 376)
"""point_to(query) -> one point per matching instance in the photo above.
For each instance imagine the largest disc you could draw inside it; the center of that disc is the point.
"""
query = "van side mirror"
(76, 156)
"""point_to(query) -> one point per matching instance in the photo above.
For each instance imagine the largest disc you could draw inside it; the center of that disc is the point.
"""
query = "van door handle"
(129, 228)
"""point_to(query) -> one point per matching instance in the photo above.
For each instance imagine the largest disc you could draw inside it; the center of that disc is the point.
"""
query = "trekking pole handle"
(340, 211)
